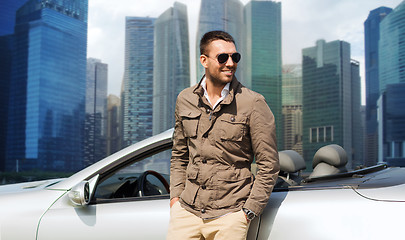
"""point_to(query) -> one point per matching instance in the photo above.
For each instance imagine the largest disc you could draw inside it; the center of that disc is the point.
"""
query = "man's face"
(219, 73)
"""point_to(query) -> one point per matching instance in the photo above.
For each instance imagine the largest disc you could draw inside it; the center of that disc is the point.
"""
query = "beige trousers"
(185, 225)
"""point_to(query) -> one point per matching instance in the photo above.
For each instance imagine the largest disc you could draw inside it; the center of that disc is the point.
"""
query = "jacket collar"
(232, 90)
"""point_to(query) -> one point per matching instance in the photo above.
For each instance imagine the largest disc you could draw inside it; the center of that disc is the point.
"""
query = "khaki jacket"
(213, 150)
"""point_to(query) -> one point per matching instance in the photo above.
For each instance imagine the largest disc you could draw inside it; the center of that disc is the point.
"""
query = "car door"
(121, 208)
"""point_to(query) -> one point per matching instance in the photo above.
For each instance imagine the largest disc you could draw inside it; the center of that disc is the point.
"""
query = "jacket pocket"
(190, 120)
(191, 187)
(233, 187)
(233, 128)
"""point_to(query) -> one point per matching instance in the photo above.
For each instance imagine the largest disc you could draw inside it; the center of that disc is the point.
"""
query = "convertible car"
(125, 196)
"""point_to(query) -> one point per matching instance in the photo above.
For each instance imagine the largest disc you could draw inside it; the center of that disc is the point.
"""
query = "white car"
(125, 196)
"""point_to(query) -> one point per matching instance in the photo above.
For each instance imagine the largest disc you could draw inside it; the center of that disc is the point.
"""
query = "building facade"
(391, 119)
(8, 11)
(328, 104)
(262, 61)
(113, 125)
(371, 39)
(137, 92)
(47, 89)
(95, 127)
(292, 107)
(171, 71)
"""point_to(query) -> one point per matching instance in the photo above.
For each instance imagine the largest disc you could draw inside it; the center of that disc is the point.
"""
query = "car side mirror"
(81, 194)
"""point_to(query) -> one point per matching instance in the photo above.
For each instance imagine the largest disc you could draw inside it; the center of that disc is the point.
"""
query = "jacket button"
(208, 111)
(203, 210)
(232, 119)
(204, 161)
(203, 187)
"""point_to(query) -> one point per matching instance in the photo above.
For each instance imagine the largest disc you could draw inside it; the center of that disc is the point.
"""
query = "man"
(221, 126)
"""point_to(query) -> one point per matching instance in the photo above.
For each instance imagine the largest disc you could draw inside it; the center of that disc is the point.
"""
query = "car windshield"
(83, 79)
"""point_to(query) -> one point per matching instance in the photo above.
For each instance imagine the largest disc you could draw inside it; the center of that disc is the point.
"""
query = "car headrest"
(332, 154)
(291, 161)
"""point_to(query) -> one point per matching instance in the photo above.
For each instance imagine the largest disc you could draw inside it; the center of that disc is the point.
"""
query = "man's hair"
(212, 36)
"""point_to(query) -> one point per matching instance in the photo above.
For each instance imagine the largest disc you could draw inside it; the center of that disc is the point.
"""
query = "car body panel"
(362, 204)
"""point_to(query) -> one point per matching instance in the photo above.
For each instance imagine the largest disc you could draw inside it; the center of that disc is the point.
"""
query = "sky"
(303, 23)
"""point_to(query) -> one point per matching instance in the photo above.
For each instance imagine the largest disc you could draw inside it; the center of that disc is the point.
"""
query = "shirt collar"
(224, 92)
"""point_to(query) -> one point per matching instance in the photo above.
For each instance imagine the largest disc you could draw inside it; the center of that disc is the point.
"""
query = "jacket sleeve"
(179, 159)
(264, 145)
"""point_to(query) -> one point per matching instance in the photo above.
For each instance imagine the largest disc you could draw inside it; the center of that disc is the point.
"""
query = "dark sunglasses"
(223, 57)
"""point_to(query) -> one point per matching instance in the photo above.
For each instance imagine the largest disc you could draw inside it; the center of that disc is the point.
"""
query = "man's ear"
(203, 61)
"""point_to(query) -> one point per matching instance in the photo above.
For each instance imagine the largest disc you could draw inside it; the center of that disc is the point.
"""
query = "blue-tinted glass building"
(392, 48)
(262, 60)
(391, 118)
(330, 83)
(171, 71)
(137, 92)
(8, 9)
(392, 125)
(225, 15)
(95, 127)
(47, 89)
(371, 39)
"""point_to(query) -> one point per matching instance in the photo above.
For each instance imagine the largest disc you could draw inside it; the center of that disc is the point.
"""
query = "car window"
(149, 176)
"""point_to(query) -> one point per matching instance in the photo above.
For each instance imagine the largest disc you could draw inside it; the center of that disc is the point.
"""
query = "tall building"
(292, 107)
(8, 11)
(392, 48)
(113, 125)
(328, 83)
(171, 71)
(391, 123)
(357, 123)
(47, 89)
(95, 127)
(371, 39)
(392, 78)
(262, 61)
(137, 94)
(225, 15)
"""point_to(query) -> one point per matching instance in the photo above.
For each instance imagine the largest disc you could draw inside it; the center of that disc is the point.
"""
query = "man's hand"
(173, 201)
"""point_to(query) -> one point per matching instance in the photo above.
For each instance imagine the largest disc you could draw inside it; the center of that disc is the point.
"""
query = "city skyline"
(307, 21)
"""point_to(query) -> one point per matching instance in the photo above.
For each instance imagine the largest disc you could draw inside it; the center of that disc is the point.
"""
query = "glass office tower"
(47, 91)
(225, 15)
(392, 48)
(371, 39)
(171, 71)
(262, 62)
(328, 104)
(95, 128)
(8, 10)
(137, 95)
(392, 77)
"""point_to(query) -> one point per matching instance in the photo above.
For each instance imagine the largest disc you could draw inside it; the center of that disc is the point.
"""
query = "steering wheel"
(142, 182)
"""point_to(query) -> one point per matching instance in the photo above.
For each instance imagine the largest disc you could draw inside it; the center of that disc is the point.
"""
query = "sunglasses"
(223, 57)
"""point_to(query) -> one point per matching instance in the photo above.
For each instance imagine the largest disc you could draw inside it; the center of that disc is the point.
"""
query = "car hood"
(27, 186)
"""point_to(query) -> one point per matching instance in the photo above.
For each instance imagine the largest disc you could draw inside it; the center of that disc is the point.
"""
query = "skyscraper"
(171, 71)
(292, 107)
(137, 95)
(391, 119)
(371, 39)
(47, 89)
(225, 15)
(95, 127)
(113, 125)
(392, 48)
(262, 60)
(328, 106)
(8, 11)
